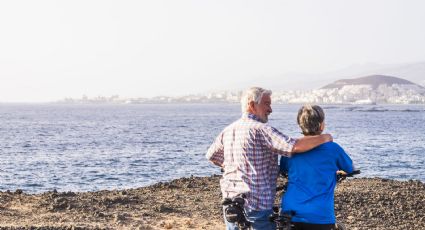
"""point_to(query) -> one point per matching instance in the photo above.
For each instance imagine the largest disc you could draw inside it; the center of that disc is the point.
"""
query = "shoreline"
(194, 203)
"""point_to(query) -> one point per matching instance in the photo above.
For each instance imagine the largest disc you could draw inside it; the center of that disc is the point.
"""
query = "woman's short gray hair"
(253, 94)
(309, 119)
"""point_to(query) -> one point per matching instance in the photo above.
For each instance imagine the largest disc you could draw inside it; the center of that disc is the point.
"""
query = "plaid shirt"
(248, 151)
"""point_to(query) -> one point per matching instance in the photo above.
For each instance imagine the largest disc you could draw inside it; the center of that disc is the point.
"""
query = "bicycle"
(283, 220)
(234, 211)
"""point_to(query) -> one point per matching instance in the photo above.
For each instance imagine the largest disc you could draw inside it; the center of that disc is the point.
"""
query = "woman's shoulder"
(331, 146)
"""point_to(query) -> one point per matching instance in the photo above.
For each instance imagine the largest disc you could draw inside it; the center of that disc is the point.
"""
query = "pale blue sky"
(55, 49)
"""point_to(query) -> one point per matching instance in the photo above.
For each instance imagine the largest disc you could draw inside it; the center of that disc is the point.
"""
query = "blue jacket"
(312, 180)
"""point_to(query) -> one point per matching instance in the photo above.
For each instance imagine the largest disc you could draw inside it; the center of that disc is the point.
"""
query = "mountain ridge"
(414, 72)
(373, 80)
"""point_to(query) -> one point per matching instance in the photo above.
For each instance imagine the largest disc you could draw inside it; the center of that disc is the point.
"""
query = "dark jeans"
(305, 226)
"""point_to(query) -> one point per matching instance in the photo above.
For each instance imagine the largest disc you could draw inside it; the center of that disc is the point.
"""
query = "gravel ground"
(194, 203)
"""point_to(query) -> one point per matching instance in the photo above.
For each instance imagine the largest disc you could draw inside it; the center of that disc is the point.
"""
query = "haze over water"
(94, 147)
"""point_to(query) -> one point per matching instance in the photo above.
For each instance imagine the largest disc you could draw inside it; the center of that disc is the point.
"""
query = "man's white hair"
(253, 94)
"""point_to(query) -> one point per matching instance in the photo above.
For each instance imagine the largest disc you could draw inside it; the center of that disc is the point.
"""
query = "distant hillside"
(373, 80)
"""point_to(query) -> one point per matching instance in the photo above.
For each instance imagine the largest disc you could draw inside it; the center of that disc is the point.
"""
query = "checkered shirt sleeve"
(278, 142)
(215, 152)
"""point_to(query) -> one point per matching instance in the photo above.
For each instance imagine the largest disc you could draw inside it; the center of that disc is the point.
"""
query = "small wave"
(411, 110)
(34, 185)
(111, 178)
(152, 142)
(331, 107)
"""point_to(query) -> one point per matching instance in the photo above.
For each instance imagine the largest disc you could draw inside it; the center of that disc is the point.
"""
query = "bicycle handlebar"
(355, 172)
(341, 177)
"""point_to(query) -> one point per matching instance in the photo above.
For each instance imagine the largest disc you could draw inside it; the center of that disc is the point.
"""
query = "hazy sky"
(55, 49)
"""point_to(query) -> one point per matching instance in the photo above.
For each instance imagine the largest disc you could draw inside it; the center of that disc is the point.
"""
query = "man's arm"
(278, 142)
(215, 153)
(309, 142)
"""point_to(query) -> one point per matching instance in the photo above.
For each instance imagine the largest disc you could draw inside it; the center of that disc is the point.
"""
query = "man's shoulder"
(232, 126)
(234, 123)
(247, 124)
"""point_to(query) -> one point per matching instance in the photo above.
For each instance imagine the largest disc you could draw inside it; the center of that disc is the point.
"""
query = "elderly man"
(248, 149)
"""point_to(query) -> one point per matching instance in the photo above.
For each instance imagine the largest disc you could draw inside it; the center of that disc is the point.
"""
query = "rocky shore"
(194, 203)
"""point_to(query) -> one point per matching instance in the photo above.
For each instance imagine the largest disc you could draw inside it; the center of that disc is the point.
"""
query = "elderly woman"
(312, 176)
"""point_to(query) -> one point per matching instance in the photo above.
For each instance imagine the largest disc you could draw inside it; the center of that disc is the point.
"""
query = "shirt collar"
(251, 116)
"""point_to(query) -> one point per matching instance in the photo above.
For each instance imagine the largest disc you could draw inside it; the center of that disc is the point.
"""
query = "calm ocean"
(93, 147)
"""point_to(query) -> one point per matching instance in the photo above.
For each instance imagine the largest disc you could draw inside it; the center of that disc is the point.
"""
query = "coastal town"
(371, 90)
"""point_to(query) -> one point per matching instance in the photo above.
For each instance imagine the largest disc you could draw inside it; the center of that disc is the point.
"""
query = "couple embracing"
(248, 150)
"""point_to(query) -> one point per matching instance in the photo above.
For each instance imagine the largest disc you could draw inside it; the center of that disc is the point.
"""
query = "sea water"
(94, 147)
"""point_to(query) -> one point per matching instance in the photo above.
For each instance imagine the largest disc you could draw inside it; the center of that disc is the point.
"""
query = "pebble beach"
(194, 203)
